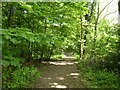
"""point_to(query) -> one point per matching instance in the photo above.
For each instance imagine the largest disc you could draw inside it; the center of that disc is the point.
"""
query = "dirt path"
(59, 74)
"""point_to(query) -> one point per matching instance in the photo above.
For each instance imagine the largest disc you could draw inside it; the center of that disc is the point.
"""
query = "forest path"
(59, 74)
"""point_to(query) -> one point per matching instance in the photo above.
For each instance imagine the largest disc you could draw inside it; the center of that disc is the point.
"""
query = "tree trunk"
(81, 44)
(85, 37)
(95, 32)
(9, 16)
(45, 24)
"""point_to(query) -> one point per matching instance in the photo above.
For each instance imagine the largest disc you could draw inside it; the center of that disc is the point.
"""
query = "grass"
(20, 77)
(99, 78)
(57, 57)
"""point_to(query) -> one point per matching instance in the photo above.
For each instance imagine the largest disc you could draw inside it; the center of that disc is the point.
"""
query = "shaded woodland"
(40, 31)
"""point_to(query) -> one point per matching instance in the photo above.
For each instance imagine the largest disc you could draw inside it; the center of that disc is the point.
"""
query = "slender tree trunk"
(119, 31)
(31, 43)
(45, 24)
(9, 16)
(81, 34)
(50, 54)
(95, 32)
(85, 37)
(118, 43)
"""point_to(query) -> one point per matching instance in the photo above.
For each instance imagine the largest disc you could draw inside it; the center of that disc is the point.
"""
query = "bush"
(20, 77)
(57, 57)
(98, 78)
(102, 79)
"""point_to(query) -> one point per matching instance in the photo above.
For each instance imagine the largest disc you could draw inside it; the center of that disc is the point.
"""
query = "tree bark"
(45, 24)
(95, 31)
(81, 43)
(9, 16)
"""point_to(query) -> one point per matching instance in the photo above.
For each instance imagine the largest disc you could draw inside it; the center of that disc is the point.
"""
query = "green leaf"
(5, 63)
(14, 40)
(31, 39)
(15, 63)
(7, 36)
(25, 6)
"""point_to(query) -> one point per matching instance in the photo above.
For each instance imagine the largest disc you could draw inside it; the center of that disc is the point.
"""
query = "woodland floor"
(59, 74)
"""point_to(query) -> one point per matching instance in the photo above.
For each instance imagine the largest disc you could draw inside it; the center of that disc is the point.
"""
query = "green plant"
(20, 77)
(97, 77)
(102, 79)
(57, 57)
(56, 28)
(77, 57)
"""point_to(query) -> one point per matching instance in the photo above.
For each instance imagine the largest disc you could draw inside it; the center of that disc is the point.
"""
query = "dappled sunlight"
(57, 63)
(56, 85)
(60, 62)
(53, 84)
(75, 77)
(65, 57)
(60, 78)
(74, 74)
(47, 78)
(61, 44)
(61, 86)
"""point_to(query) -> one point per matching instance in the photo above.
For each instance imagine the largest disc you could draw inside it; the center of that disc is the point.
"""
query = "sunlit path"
(59, 74)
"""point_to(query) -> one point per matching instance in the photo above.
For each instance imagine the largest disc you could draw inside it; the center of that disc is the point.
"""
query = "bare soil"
(58, 74)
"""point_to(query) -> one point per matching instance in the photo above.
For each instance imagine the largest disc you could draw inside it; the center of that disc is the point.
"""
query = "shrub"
(20, 77)
(98, 78)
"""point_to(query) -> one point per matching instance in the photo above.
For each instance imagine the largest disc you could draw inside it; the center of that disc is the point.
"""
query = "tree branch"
(109, 14)
(105, 7)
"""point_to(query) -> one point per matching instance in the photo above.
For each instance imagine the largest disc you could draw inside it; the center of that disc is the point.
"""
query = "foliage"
(39, 31)
(35, 31)
(57, 57)
(98, 78)
(77, 57)
(106, 48)
(102, 71)
(103, 79)
(20, 77)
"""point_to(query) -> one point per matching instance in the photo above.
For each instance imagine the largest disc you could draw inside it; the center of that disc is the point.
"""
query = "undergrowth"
(19, 77)
(98, 78)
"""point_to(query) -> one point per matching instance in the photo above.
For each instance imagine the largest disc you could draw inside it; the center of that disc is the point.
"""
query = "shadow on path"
(58, 74)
